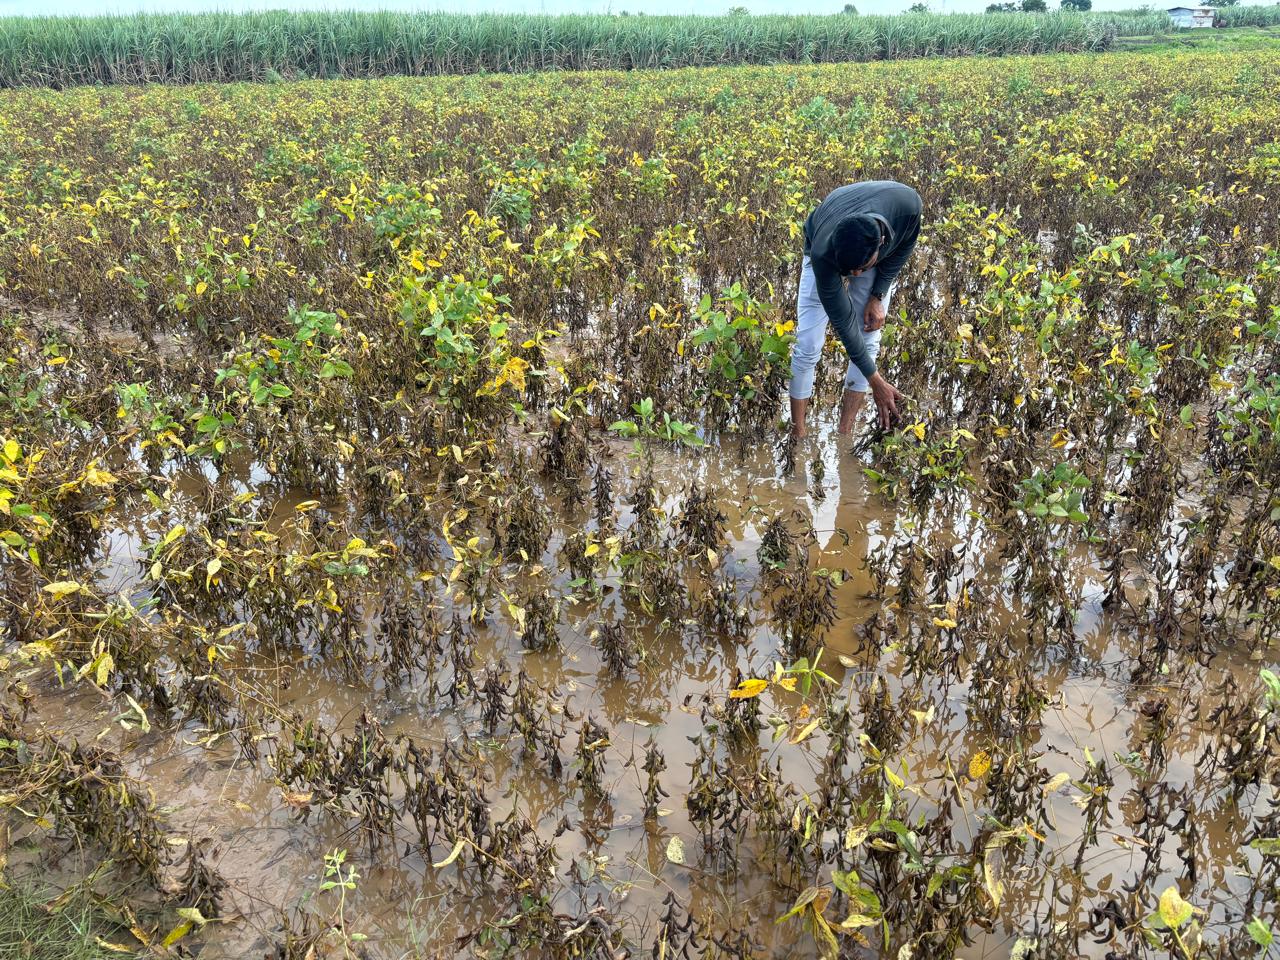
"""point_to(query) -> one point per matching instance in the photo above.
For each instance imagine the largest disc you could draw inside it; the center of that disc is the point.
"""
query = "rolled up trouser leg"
(811, 333)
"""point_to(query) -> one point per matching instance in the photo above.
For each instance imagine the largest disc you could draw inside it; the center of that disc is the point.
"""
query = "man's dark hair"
(856, 240)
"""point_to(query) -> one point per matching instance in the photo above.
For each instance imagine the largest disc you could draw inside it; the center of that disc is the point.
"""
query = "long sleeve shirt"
(900, 206)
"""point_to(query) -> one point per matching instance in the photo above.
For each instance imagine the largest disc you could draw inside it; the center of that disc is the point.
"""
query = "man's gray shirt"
(900, 206)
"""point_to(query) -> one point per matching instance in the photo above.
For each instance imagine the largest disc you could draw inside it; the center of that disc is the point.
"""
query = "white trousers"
(811, 331)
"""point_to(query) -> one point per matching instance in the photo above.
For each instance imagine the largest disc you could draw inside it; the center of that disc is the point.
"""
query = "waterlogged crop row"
(460, 399)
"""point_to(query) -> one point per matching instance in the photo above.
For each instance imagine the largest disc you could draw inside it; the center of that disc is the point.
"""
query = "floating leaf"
(675, 850)
(62, 588)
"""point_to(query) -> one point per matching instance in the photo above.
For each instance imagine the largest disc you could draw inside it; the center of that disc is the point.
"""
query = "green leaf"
(844, 880)
(1260, 931)
(1267, 846)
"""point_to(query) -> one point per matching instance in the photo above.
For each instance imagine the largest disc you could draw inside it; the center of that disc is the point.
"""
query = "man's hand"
(873, 316)
(887, 398)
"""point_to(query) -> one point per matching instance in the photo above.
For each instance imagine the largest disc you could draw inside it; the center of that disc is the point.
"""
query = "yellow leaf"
(947, 624)
(62, 588)
(177, 933)
(748, 689)
(675, 850)
(808, 729)
(1174, 911)
(786, 683)
(99, 478)
(1056, 782)
(12, 452)
(979, 764)
(201, 287)
(856, 920)
(113, 947)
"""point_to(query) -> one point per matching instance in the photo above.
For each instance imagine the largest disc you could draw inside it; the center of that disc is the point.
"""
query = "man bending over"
(855, 244)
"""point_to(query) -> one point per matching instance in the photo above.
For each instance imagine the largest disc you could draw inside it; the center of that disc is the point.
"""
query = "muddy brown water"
(406, 907)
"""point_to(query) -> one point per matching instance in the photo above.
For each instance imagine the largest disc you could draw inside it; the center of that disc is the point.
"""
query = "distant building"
(1192, 16)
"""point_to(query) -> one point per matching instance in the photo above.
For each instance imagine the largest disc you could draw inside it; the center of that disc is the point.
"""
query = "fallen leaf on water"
(675, 850)
(299, 801)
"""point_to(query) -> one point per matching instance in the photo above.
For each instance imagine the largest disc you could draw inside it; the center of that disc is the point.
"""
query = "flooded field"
(405, 555)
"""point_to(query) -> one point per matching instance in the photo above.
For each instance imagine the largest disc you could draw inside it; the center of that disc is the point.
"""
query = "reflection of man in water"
(855, 244)
(840, 522)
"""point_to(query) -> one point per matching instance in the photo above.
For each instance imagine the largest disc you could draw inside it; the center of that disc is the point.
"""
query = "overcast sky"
(38, 7)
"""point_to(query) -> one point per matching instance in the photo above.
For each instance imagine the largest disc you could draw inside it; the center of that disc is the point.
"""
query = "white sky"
(710, 7)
